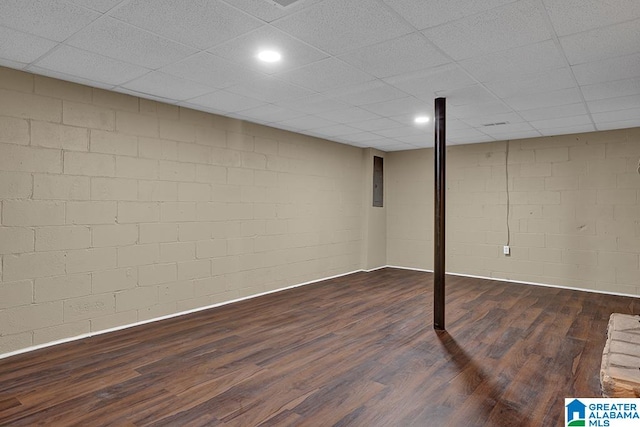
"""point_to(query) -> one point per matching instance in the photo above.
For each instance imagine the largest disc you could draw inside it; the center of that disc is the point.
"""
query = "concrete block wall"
(116, 209)
(574, 215)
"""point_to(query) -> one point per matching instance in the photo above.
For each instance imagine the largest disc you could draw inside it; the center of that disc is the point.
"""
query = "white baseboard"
(168, 316)
(522, 282)
(375, 269)
(182, 313)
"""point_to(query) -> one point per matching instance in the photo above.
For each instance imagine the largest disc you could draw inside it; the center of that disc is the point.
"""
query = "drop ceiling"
(353, 71)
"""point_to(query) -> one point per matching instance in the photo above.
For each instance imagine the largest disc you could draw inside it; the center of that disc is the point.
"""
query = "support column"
(439, 214)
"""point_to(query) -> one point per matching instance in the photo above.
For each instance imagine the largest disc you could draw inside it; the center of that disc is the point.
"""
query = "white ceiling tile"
(314, 104)
(269, 89)
(12, 64)
(623, 67)
(51, 19)
(271, 113)
(544, 99)
(68, 77)
(611, 89)
(465, 112)
(204, 108)
(124, 42)
(515, 62)
(567, 130)
(241, 116)
(513, 25)
(209, 70)
(562, 122)
(387, 72)
(167, 86)
(424, 139)
(398, 56)
(556, 111)
(267, 11)
(515, 134)
(573, 16)
(353, 144)
(475, 94)
(325, 75)
(91, 66)
(428, 13)
(367, 93)
(614, 104)
(407, 105)
(99, 5)
(226, 101)
(316, 133)
(545, 81)
(602, 43)
(409, 119)
(305, 123)
(470, 140)
(455, 124)
(392, 146)
(467, 134)
(506, 128)
(244, 49)
(288, 128)
(360, 137)
(406, 131)
(383, 142)
(21, 47)
(424, 84)
(619, 125)
(145, 95)
(200, 23)
(376, 125)
(478, 121)
(336, 130)
(346, 115)
(616, 116)
(338, 26)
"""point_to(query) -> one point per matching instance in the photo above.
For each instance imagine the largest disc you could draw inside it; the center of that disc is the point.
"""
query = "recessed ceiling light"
(421, 120)
(269, 56)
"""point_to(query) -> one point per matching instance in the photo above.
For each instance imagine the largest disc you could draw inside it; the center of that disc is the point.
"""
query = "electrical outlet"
(506, 250)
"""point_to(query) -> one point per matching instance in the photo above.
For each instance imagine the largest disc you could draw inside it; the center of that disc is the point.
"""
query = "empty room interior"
(229, 212)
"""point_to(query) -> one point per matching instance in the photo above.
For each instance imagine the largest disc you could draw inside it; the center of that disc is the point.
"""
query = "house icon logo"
(576, 413)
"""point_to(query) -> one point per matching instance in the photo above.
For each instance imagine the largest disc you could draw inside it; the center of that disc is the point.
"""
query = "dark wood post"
(439, 214)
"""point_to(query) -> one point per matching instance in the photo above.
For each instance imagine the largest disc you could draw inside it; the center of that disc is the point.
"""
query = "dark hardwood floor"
(358, 350)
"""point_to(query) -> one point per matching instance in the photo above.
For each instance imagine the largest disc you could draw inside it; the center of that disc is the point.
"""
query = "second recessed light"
(269, 56)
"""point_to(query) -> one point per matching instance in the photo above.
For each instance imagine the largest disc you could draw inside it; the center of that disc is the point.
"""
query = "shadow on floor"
(483, 405)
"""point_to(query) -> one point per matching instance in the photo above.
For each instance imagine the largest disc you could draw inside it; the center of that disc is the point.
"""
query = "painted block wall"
(116, 209)
(574, 215)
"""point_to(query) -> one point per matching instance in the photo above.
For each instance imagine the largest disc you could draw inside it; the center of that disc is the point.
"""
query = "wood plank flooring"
(358, 350)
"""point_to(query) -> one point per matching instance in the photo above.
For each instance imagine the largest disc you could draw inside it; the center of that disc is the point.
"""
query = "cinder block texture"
(113, 208)
(572, 218)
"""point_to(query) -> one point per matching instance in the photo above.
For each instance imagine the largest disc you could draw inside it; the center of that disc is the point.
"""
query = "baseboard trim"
(168, 316)
(195, 310)
(375, 269)
(522, 282)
